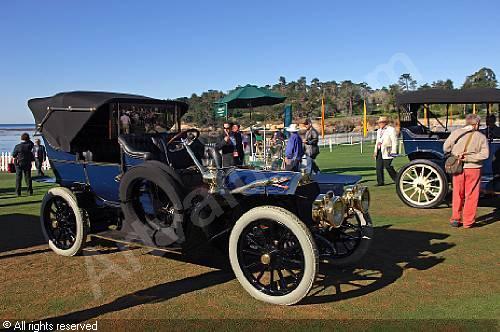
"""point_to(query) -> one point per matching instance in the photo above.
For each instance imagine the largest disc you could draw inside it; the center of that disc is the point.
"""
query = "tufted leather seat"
(141, 146)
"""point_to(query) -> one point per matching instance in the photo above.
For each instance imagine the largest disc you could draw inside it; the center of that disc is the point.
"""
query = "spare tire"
(149, 195)
(170, 171)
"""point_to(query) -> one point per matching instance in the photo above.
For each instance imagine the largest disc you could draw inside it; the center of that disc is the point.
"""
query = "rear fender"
(436, 156)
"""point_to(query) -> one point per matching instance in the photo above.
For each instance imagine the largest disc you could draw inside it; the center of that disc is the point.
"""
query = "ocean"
(10, 135)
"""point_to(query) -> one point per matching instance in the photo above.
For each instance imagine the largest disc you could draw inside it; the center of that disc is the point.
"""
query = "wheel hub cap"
(265, 259)
(54, 224)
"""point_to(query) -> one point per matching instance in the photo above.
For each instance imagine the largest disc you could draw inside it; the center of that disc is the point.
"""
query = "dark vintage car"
(423, 183)
(125, 176)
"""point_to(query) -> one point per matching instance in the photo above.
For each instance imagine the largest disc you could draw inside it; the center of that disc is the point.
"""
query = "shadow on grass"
(20, 231)
(158, 293)
(25, 253)
(8, 197)
(20, 203)
(348, 169)
(392, 252)
(487, 219)
(8, 190)
(483, 202)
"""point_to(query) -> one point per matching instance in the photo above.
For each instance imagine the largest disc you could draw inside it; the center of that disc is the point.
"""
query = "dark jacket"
(226, 149)
(23, 154)
(239, 144)
(42, 153)
(311, 139)
(223, 146)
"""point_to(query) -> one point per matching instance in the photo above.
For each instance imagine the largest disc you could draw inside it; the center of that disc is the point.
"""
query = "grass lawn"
(418, 268)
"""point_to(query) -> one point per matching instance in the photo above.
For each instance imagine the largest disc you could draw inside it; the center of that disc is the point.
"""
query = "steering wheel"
(175, 143)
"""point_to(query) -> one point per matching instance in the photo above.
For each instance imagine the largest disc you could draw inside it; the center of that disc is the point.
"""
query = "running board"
(108, 236)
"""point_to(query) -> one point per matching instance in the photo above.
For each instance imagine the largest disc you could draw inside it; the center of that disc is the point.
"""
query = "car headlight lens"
(329, 209)
(338, 212)
(362, 199)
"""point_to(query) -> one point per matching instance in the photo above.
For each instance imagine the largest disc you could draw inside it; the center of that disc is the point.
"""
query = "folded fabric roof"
(63, 115)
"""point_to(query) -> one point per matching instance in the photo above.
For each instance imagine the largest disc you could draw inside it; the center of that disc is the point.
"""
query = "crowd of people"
(146, 120)
(232, 144)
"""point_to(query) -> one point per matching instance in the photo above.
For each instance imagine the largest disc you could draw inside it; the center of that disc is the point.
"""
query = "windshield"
(143, 118)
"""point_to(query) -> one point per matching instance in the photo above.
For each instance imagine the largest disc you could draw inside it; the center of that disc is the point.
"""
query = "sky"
(170, 49)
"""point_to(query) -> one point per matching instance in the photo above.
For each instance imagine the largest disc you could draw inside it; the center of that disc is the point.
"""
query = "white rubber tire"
(299, 230)
(81, 217)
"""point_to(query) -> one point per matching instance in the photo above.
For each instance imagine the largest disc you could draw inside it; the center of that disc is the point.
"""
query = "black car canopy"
(62, 116)
(442, 96)
(409, 103)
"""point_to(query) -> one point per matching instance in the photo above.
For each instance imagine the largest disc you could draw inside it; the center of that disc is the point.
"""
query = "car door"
(103, 179)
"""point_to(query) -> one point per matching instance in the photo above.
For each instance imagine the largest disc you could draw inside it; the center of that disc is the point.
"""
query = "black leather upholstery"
(161, 143)
(141, 146)
(419, 132)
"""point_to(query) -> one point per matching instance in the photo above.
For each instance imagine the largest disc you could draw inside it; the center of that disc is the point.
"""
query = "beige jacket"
(477, 151)
(388, 141)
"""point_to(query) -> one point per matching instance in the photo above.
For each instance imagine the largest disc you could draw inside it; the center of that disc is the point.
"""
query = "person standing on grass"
(311, 148)
(385, 148)
(40, 155)
(23, 157)
(294, 150)
(470, 146)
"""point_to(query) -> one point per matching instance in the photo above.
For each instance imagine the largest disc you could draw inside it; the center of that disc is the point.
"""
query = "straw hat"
(293, 128)
(383, 119)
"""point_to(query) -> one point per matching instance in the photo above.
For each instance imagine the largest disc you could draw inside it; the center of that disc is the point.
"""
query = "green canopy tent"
(251, 96)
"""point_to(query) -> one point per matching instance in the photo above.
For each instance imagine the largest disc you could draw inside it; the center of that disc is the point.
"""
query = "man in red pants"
(471, 146)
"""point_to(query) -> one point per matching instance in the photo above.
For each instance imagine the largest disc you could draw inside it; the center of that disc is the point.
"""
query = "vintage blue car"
(125, 175)
(423, 183)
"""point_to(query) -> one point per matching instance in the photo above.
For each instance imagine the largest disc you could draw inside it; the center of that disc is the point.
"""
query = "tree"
(315, 83)
(406, 82)
(302, 84)
(282, 80)
(348, 94)
(440, 84)
(425, 86)
(381, 99)
(483, 78)
(394, 89)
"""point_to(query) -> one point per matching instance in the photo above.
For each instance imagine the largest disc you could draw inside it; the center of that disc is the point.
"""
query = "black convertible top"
(63, 115)
(442, 96)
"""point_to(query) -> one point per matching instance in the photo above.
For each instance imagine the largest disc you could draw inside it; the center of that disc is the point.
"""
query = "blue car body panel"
(67, 168)
(414, 145)
(103, 180)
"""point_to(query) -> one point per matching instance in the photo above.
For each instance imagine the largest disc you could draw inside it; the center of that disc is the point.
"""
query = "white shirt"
(387, 142)
(125, 119)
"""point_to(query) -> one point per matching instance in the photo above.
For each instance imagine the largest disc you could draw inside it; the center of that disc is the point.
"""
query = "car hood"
(256, 182)
(335, 182)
